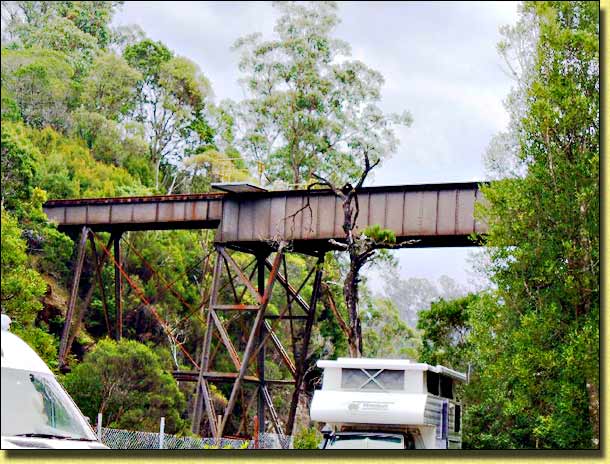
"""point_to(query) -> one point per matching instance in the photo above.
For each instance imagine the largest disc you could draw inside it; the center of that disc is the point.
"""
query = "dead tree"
(361, 248)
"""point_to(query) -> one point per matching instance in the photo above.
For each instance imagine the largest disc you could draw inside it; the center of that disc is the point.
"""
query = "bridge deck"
(436, 214)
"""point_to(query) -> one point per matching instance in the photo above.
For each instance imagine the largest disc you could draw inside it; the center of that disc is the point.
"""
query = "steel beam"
(293, 294)
(226, 340)
(242, 277)
(434, 214)
(260, 359)
(118, 287)
(227, 377)
(305, 346)
(78, 268)
(98, 263)
(202, 393)
(278, 345)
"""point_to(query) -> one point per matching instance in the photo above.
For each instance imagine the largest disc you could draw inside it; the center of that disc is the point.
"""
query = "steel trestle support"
(263, 341)
(242, 334)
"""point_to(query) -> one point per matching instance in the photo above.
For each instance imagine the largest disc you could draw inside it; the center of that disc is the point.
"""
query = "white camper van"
(388, 404)
(36, 411)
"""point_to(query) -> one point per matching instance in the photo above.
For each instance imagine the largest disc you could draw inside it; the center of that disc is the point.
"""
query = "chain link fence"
(134, 440)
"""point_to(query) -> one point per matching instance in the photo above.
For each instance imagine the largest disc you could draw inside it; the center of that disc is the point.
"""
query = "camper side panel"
(433, 415)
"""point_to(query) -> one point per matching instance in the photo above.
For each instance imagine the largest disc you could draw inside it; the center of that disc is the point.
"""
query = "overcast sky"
(439, 61)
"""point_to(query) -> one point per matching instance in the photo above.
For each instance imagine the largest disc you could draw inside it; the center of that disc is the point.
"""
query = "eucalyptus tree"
(110, 89)
(36, 87)
(23, 18)
(309, 107)
(78, 29)
(171, 98)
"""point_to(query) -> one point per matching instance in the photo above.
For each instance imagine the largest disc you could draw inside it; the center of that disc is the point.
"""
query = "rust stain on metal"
(410, 211)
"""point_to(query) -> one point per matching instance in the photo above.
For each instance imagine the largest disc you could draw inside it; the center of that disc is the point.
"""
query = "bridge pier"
(118, 287)
(249, 360)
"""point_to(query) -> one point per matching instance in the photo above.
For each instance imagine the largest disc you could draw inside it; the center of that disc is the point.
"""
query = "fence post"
(219, 437)
(255, 432)
(161, 432)
(99, 426)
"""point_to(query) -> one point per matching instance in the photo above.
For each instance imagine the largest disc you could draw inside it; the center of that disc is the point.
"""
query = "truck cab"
(36, 411)
(388, 404)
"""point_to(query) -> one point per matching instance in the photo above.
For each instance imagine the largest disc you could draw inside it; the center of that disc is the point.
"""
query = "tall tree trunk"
(350, 293)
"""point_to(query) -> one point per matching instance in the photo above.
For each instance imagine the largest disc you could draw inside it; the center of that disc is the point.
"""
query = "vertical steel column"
(300, 373)
(202, 396)
(89, 295)
(260, 362)
(118, 287)
(99, 263)
(78, 268)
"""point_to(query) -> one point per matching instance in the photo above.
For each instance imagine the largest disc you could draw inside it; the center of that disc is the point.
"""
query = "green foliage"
(171, 102)
(19, 158)
(22, 291)
(111, 143)
(307, 438)
(213, 166)
(40, 340)
(22, 287)
(60, 34)
(535, 342)
(310, 109)
(10, 108)
(21, 163)
(125, 381)
(147, 57)
(445, 328)
(379, 235)
(68, 170)
(184, 82)
(110, 88)
(333, 340)
(385, 334)
(38, 83)
(91, 18)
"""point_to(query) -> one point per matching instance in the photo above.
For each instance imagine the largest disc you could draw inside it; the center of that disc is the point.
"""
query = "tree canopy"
(127, 382)
(309, 107)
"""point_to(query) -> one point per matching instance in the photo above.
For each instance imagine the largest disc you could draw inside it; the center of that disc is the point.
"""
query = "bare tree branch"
(343, 246)
(333, 307)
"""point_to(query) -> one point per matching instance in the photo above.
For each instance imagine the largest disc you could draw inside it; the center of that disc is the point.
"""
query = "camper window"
(458, 413)
(372, 379)
(439, 385)
(432, 382)
(446, 387)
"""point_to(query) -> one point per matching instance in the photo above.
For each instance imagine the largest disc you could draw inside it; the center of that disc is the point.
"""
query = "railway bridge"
(251, 220)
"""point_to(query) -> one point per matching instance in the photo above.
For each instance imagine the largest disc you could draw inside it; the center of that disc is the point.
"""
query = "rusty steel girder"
(434, 214)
